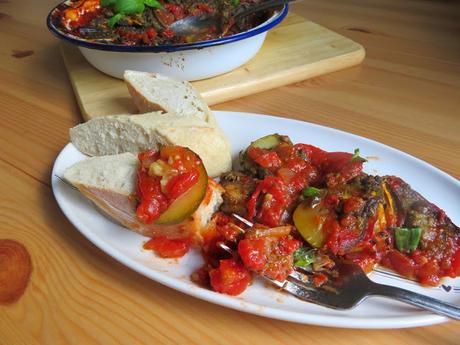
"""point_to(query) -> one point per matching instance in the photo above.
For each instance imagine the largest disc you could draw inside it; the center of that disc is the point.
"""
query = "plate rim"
(423, 319)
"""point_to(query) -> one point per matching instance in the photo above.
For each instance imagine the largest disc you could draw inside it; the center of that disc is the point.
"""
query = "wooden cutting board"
(295, 50)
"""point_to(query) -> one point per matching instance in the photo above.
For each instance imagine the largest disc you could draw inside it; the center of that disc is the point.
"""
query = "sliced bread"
(110, 182)
(156, 92)
(108, 135)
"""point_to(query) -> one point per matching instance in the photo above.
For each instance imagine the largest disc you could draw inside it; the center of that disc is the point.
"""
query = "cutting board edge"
(287, 77)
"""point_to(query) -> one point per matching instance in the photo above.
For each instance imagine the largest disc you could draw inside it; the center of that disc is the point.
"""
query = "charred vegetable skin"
(146, 22)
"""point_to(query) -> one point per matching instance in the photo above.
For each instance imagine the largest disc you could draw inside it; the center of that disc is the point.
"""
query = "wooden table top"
(406, 94)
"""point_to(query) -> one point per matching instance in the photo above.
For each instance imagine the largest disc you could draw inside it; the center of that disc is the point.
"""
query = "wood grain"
(295, 50)
(405, 94)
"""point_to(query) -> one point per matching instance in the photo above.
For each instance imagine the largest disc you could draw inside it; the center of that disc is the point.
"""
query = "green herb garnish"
(310, 191)
(407, 239)
(357, 158)
(122, 8)
(153, 3)
(304, 257)
(115, 19)
(129, 6)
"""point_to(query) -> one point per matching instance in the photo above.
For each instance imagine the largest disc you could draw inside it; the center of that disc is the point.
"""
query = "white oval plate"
(242, 128)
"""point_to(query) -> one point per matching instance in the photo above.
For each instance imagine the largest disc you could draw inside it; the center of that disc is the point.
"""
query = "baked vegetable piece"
(171, 185)
(338, 211)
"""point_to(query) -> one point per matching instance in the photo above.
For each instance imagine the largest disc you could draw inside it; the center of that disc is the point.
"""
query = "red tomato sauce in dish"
(148, 23)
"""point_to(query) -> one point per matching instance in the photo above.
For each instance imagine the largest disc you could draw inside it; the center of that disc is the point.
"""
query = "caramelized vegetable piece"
(309, 222)
(187, 203)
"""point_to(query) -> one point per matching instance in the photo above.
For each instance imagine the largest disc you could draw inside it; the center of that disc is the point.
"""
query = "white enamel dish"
(190, 61)
(242, 128)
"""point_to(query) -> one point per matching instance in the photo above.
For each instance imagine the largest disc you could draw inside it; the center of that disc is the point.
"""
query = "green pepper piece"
(407, 240)
(310, 191)
(415, 236)
(402, 237)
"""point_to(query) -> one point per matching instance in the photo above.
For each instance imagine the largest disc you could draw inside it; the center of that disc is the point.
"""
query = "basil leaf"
(107, 3)
(153, 3)
(235, 2)
(115, 19)
(129, 6)
(357, 158)
(304, 257)
(310, 191)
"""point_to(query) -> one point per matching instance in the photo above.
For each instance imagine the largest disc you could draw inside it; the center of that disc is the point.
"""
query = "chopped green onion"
(310, 191)
(407, 239)
(304, 257)
(357, 158)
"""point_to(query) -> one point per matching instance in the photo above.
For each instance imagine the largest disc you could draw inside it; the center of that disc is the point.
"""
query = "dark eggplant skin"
(238, 189)
(439, 233)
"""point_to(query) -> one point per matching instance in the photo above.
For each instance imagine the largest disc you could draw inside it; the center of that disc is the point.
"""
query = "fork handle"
(416, 299)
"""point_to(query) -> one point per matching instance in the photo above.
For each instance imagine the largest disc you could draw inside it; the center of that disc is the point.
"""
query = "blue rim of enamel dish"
(270, 23)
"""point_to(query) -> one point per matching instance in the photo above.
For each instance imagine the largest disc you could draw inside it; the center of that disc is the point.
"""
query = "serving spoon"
(194, 25)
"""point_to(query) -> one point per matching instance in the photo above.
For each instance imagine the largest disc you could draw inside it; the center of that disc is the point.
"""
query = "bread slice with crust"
(156, 92)
(110, 183)
(108, 135)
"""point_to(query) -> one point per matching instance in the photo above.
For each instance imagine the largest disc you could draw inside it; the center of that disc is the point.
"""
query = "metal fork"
(349, 287)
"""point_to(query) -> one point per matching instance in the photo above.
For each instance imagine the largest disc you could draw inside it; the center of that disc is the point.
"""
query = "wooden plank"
(295, 50)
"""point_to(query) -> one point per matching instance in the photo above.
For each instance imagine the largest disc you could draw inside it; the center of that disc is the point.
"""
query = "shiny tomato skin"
(428, 274)
(456, 264)
(148, 157)
(181, 183)
(252, 253)
(275, 199)
(313, 154)
(168, 248)
(288, 245)
(400, 263)
(335, 161)
(152, 201)
(231, 277)
(265, 158)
